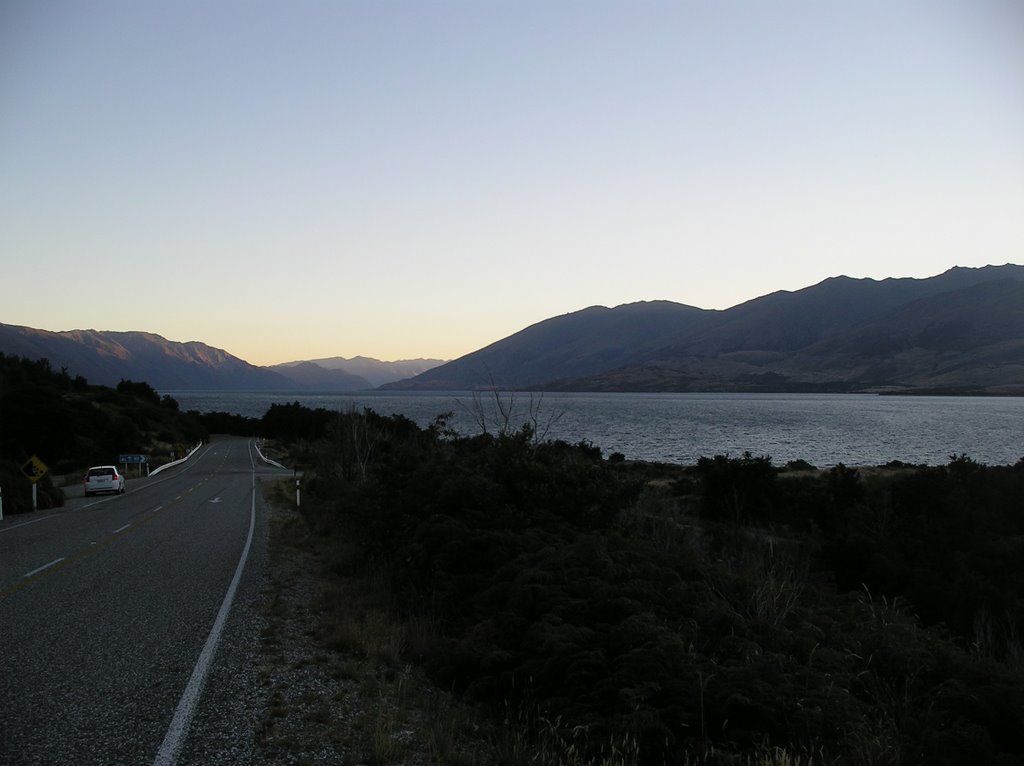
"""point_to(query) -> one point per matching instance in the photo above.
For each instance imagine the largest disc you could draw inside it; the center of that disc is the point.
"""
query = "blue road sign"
(133, 459)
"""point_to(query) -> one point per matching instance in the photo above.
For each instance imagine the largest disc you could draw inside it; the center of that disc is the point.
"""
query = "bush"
(579, 593)
(737, 489)
(17, 491)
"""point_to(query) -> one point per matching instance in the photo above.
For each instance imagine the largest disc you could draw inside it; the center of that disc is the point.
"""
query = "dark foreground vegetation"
(728, 612)
(69, 425)
(731, 612)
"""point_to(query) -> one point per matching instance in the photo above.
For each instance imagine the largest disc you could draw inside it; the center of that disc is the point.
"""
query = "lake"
(824, 429)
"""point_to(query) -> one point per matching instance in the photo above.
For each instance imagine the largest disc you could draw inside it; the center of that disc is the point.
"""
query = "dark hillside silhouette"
(107, 357)
(69, 425)
(842, 334)
(582, 343)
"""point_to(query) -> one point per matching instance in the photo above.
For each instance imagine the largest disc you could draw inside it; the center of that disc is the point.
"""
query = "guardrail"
(155, 471)
(266, 459)
(263, 457)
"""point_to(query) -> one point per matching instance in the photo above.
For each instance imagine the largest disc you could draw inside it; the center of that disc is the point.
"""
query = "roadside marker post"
(34, 469)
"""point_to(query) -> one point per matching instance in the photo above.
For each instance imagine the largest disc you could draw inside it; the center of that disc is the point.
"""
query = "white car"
(103, 478)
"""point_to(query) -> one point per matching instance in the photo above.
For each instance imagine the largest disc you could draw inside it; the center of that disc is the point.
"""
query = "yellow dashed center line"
(65, 561)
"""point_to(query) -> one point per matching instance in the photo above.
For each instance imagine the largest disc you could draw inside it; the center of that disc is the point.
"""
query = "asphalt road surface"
(129, 625)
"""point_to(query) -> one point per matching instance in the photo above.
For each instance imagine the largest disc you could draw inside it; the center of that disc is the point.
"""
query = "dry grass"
(338, 685)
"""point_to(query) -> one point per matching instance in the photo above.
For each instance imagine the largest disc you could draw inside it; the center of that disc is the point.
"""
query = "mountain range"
(360, 371)
(106, 358)
(959, 332)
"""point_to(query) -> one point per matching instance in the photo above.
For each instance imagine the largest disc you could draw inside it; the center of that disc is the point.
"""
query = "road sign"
(133, 459)
(35, 469)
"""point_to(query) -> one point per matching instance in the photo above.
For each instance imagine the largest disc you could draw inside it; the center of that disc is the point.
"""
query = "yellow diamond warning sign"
(35, 469)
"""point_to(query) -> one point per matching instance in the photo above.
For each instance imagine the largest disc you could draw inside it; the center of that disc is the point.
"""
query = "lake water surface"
(824, 429)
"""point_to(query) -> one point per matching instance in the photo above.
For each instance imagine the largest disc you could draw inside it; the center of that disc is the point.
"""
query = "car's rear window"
(101, 472)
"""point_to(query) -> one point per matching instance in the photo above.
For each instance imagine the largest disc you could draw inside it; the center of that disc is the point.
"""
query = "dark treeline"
(69, 425)
(290, 423)
(714, 613)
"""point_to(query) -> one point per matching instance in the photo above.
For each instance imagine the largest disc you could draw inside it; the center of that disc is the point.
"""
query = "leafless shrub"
(497, 412)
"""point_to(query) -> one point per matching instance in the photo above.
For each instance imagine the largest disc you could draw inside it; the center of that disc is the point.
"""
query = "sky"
(401, 179)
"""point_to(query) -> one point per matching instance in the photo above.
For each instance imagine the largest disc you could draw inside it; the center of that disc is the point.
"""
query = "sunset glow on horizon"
(303, 180)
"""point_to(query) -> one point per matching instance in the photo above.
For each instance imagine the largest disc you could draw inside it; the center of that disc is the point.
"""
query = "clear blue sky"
(292, 180)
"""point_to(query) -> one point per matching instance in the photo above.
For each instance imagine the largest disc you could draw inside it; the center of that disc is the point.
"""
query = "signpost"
(34, 469)
(138, 460)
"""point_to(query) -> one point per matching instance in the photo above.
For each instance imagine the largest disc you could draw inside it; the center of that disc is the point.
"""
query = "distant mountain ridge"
(372, 372)
(961, 331)
(107, 357)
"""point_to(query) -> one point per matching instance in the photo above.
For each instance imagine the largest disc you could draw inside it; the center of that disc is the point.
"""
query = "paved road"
(107, 607)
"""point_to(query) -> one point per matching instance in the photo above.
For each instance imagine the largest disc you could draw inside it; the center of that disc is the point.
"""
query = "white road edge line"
(26, 523)
(178, 730)
(122, 529)
(44, 566)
